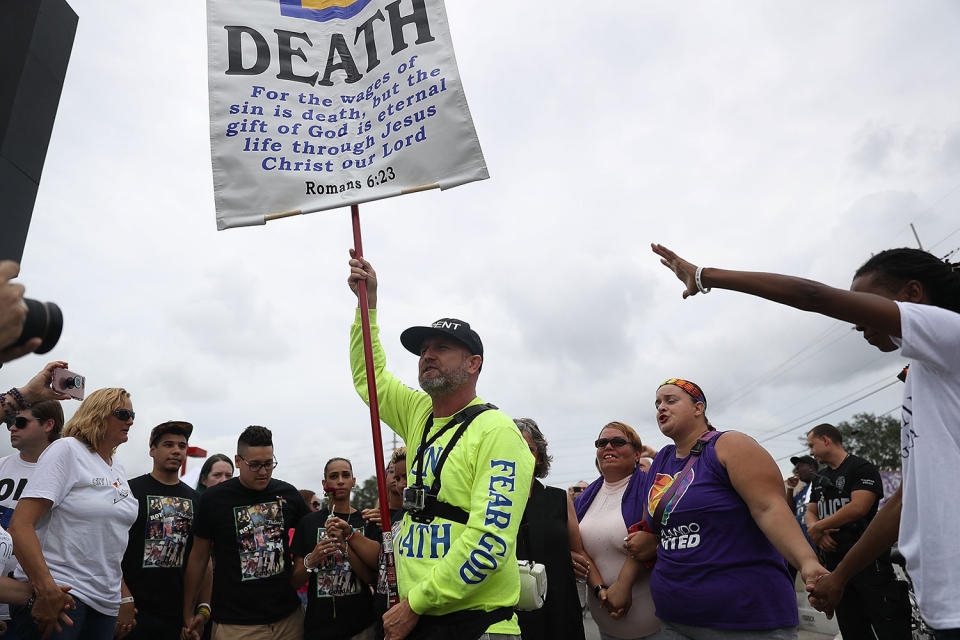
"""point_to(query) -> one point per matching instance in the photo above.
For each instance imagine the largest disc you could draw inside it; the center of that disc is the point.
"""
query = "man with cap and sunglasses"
(467, 484)
(31, 432)
(159, 539)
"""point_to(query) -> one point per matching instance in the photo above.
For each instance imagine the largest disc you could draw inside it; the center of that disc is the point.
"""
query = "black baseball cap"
(413, 338)
(170, 426)
(803, 459)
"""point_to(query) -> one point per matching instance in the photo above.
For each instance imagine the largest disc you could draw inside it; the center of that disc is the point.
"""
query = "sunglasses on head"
(124, 414)
(616, 442)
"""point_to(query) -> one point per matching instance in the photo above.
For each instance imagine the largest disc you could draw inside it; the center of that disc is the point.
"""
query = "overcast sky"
(788, 137)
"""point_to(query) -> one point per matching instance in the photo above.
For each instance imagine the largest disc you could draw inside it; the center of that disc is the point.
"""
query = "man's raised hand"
(362, 270)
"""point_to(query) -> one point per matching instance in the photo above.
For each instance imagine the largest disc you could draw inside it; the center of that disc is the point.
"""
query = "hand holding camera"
(12, 312)
(25, 325)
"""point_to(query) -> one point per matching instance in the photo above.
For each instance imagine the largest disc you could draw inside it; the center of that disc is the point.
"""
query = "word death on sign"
(338, 56)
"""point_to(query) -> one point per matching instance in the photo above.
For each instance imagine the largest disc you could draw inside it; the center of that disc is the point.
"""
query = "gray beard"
(443, 384)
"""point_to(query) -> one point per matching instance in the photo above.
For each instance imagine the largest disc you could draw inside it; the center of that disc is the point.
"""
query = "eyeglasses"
(20, 422)
(316, 504)
(124, 414)
(257, 466)
(616, 442)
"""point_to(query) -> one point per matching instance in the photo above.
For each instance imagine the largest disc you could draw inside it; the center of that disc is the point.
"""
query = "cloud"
(772, 139)
(873, 147)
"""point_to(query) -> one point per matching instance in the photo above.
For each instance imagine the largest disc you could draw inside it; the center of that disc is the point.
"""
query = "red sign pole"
(392, 596)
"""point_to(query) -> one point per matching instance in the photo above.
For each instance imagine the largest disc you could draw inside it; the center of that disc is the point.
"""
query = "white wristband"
(127, 600)
(700, 286)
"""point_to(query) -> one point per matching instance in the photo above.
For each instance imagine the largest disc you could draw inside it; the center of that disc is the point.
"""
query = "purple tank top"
(715, 568)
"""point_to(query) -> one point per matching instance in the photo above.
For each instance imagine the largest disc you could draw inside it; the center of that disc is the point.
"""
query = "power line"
(775, 372)
(790, 455)
(840, 399)
(823, 415)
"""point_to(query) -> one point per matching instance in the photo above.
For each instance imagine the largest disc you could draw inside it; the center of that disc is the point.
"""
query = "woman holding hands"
(619, 587)
(903, 299)
(721, 534)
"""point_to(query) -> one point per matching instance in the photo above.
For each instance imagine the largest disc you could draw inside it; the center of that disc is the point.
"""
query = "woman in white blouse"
(71, 525)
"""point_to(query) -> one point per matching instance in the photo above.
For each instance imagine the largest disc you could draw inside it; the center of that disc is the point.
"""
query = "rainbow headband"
(690, 388)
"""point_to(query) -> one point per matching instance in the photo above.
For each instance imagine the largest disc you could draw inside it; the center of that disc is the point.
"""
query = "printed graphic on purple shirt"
(260, 534)
(169, 520)
(661, 484)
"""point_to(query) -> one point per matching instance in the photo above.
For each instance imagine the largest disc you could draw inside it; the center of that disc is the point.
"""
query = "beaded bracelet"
(24, 405)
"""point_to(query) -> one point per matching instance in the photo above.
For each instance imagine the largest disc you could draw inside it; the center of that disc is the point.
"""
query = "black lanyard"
(424, 443)
(463, 418)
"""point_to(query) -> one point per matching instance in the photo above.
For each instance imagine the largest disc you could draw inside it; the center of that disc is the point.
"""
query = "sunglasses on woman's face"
(616, 442)
(124, 414)
(316, 504)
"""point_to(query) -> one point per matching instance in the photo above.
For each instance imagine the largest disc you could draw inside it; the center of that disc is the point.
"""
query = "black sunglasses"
(316, 504)
(20, 423)
(616, 442)
(124, 414)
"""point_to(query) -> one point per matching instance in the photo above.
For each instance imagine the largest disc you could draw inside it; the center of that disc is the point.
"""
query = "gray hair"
(529, 427)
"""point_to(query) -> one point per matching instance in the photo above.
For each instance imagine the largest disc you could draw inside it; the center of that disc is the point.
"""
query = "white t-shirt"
(14, 475)
(84, 534)
(6, 545)
(603, 531)
(930, 441)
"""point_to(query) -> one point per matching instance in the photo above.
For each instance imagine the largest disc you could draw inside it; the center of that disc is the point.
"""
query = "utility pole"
(914, 229)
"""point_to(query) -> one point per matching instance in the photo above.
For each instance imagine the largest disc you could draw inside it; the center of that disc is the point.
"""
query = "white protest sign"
(317, 104)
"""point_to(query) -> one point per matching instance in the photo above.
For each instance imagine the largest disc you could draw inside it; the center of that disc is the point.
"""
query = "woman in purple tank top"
(723, 532)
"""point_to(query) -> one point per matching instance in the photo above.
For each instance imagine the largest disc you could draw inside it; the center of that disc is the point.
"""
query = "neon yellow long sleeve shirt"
(445, 566)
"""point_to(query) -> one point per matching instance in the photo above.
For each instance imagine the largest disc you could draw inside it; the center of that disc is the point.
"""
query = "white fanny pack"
(533, 585)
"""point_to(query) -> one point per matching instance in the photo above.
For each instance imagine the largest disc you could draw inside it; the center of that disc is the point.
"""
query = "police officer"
(843, 501)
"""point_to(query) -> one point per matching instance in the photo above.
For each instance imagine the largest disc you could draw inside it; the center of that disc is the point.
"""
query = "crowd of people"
(699, 540)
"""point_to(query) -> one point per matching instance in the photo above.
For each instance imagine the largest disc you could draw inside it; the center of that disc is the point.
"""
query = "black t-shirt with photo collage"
(248, 529)
(159, 544)
(339, 604)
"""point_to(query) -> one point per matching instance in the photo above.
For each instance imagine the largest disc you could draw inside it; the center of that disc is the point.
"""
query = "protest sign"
(317, 104)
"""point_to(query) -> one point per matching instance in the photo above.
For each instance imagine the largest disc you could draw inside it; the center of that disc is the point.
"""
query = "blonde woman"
(71, 526)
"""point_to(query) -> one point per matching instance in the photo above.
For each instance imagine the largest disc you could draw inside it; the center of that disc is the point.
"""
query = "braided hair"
(896, 267)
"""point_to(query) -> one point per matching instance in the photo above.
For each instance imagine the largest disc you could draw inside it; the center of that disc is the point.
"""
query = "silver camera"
(415, 499)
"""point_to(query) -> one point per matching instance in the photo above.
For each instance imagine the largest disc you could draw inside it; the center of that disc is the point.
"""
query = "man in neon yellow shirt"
(459, 570)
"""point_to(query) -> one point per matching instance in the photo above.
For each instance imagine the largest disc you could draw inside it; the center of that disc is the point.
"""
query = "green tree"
(365, 495)
(876, 438)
